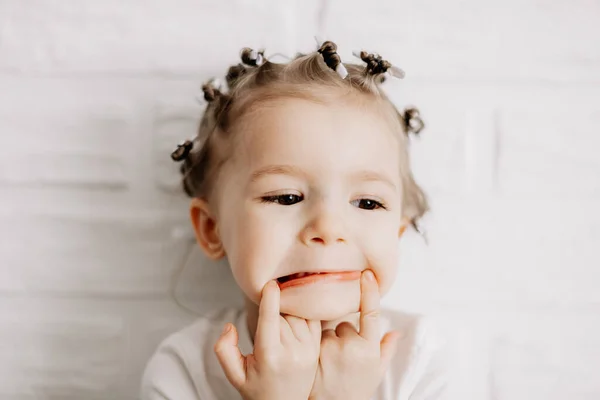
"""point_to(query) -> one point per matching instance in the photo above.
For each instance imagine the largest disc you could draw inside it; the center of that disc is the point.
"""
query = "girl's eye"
(283, 199)
(368, 204)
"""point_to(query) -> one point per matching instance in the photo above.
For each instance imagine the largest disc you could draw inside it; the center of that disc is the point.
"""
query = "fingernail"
(369, 275)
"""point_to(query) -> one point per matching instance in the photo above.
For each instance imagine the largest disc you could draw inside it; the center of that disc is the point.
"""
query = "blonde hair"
(309, 76)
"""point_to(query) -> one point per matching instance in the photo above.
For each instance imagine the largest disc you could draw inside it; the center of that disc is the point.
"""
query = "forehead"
(328, 136)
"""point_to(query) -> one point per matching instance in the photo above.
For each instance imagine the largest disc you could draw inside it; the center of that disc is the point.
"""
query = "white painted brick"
(112, 36)
(545, 252)
(480, 150)
(552, 253)
(58, 138)
(308, 18)
(474, 40)
(79, 170)
(60, 357)
(549, 356)
(550, 152)
(440, 271)
(92, 256)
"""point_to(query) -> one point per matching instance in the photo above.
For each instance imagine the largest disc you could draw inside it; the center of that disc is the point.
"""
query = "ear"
(206, 229)
(403, 225)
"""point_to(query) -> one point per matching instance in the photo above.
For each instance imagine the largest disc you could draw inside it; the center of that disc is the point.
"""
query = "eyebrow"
(276, 170)
(363, 175)
(373, 176)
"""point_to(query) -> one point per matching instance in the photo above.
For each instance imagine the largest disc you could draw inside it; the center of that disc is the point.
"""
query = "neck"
(252, 319)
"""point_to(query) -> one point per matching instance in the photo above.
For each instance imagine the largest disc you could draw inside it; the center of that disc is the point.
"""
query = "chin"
(324, 302)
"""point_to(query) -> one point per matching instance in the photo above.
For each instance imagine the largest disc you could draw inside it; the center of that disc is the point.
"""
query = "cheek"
(255, 251)
(382, 251)
(386, 266)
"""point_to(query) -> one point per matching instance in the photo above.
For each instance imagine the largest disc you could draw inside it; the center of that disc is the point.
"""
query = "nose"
(326, 227)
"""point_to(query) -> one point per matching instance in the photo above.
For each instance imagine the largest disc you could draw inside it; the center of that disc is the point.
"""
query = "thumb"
(231, 359)
(388, 348)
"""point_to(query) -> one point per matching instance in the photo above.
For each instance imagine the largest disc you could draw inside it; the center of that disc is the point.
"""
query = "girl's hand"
(285, 358)
(352, 364)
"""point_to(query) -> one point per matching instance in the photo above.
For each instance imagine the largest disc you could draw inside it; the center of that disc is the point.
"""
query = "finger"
(369, 306)
(345, 330)
(231, 359)
(388, 348)
(267, 329)
(315, 328)
(299, 328)
(286, 334)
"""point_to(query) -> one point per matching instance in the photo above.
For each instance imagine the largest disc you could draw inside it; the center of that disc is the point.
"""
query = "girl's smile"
(308, 278)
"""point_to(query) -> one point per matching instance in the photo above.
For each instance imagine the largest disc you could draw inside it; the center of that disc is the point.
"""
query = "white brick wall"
(93, 96)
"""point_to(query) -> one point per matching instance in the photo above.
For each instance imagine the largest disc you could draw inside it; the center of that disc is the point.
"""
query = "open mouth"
(297, 275)
(307, 278)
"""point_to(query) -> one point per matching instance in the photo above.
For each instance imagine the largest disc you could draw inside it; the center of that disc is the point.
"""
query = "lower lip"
(321, 278)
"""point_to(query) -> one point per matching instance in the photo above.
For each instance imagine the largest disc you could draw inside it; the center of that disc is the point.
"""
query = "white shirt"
(185, 367)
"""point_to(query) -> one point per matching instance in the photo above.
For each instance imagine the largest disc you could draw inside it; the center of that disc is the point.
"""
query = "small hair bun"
(182, 151)
(234, 73)
(328, 50)
(377, 65)
(252, 57)
(212, 90)
(412, 120)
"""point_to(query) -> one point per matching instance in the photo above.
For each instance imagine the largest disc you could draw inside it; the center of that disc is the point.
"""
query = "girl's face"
(311, 187)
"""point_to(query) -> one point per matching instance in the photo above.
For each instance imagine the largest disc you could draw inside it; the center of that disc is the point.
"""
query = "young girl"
(300, 176)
